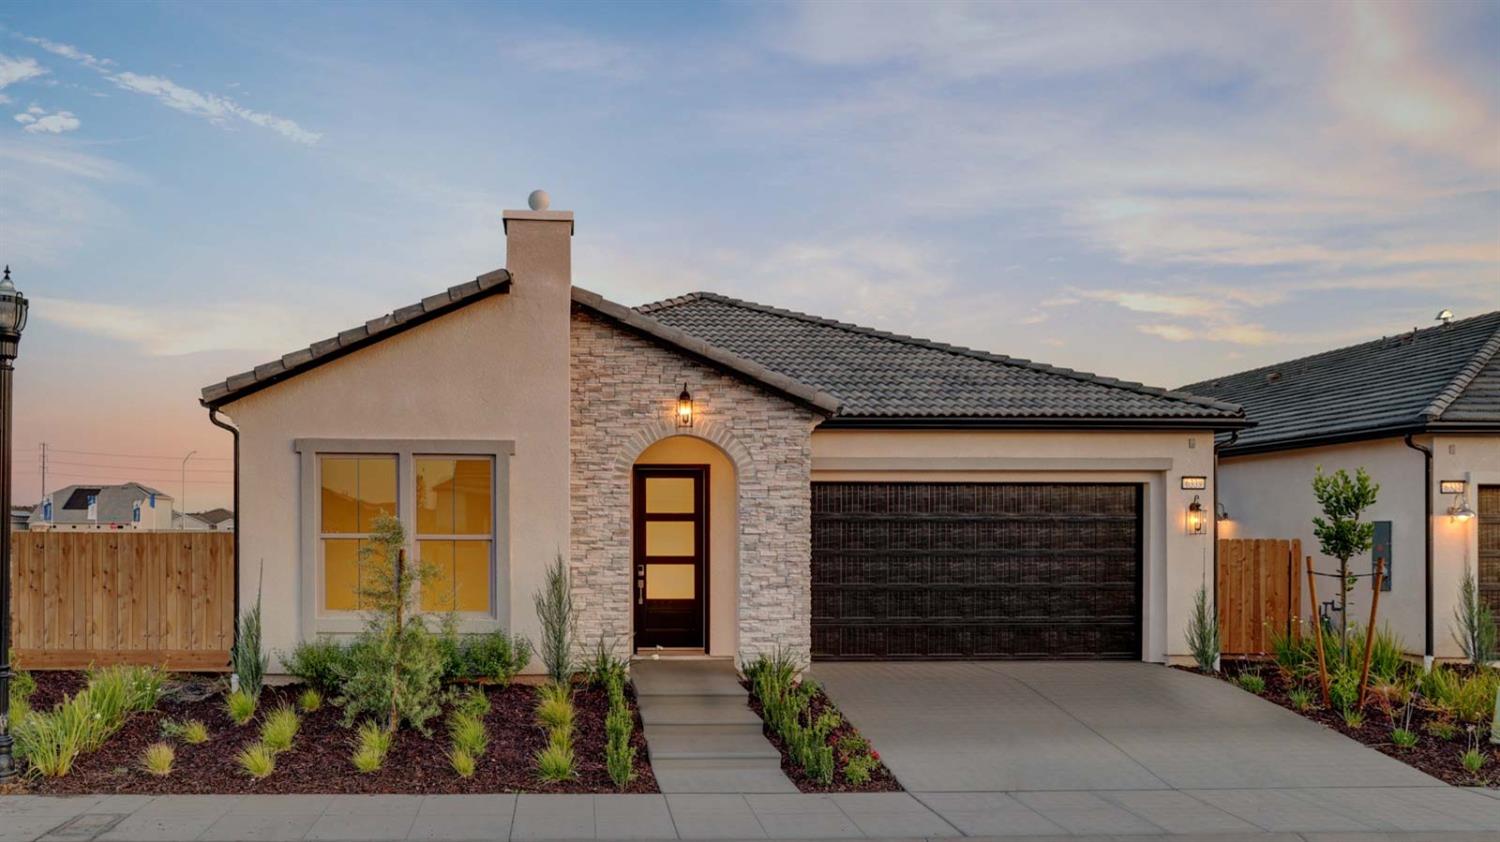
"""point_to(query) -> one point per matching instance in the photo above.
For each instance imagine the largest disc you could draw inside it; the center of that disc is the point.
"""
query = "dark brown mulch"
(881, 779)
(1438, 758)
(319, 760)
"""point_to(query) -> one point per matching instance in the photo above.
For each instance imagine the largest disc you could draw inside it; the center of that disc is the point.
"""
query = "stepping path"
(700, 731)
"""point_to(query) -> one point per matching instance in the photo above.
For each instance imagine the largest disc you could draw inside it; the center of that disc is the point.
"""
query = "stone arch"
(713, 432)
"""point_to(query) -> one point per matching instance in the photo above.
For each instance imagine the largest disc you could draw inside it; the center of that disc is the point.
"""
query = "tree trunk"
(1344, 607)
(396, 640)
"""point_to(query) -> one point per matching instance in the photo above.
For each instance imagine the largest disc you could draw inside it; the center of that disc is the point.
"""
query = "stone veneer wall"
(624, 389)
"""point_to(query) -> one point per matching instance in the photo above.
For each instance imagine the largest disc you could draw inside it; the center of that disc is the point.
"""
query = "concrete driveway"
(1033, 726)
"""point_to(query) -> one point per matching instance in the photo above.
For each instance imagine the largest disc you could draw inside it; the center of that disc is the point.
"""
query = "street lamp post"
(183, 501)
(12, 322)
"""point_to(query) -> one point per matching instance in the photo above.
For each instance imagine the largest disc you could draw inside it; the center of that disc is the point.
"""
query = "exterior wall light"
(1220, 512)
(1195, 517)
(1460, 511)
(685, 408)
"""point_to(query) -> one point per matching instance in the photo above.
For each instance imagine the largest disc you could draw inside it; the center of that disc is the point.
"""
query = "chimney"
(538, 246)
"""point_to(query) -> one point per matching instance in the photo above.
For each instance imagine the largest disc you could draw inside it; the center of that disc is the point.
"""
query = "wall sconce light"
(1195, 517)
(685, 408)
(1220, 513)
(1460, 511)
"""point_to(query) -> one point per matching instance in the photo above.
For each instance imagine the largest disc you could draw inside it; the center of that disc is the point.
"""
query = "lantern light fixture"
(685, 408)
(1195, 517)
(1460, 512)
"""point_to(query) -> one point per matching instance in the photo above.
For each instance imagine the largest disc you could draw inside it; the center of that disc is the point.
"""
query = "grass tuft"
(240, 707)
(279, 729)
(158, 759)
(257, 761)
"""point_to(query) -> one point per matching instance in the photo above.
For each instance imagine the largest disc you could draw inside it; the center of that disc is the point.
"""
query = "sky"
(1158, 192)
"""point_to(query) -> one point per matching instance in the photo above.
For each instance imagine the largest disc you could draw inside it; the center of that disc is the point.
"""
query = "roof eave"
(1104, 423)
(1351, 436)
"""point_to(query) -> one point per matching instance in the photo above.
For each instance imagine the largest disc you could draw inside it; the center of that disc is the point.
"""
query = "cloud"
(38, 121)
(13, 70)
(219, 110)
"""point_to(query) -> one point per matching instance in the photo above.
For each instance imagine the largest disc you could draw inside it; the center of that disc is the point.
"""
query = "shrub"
(1300, 697)
(859, 768)
(1354, 718)
(1403, 738)
(1203, 632)
(554, 764)
(1469, 698)
(463, 762)
(1473, 622)
(158, 759)
(321, 664)
(619, 754)
(52, 741)
(371, 747)
(467, 732)
(473, 702)
(786, 705)
(22, 685)
(497, 656)
(279, 729)
(852, 744)
(603, 664)
(1472, 760)
(257, 761)
(1251, 681)
(1343, 685)
(310, 701)
(1294, 653)
(395, 680)
(247, 658)
(240, 706)
(1443, 729)
(554, 608)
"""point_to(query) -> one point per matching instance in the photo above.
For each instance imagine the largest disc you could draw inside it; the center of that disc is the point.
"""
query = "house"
(20, 516)
(1421, 412)
(213, 520)
(129, 505)
(722, 477)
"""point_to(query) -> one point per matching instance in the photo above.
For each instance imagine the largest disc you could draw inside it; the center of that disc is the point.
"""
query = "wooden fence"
(1260, 589)
(123, 597)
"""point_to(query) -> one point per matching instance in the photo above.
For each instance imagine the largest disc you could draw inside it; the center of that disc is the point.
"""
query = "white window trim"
(315, 620)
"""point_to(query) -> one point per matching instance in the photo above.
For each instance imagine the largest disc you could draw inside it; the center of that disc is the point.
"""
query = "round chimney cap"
(539, 200)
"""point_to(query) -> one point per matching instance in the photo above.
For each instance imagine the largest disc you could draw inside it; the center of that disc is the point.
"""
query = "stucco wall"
(1176, 562)
(495, 370)
(1270, 496)
(624, 389)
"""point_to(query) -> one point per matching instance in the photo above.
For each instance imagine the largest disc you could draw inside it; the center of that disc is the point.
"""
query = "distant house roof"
(855, 375)
(884, 378)
(1439, 378)
(214, 517)
(112, 503)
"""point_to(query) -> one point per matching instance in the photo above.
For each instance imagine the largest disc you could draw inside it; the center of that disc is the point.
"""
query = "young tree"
(1341, 534)
(1474, 623)
(554, 608)
(401, 648)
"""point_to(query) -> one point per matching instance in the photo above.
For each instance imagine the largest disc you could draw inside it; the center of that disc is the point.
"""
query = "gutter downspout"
(1234, 436)
(1427, 528)
(213, 417)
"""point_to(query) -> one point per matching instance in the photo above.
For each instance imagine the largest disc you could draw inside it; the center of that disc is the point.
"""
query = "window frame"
(317, 620)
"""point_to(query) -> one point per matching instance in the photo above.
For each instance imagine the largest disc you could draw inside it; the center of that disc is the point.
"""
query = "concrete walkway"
(1330, 815)
(1091, 726)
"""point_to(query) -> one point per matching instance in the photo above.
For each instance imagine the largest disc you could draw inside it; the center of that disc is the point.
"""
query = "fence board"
(1259, 592)
(115, 597)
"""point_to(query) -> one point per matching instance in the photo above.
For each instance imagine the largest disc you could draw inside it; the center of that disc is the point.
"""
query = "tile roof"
(883, 376)
(1443, 376)
(372, 331)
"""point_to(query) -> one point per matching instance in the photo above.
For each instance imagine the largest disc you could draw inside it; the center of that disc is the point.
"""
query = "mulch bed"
(1437, 757)
(881, 779)
(319, 760)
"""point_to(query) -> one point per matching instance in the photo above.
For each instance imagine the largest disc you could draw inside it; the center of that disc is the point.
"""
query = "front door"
(671, 556)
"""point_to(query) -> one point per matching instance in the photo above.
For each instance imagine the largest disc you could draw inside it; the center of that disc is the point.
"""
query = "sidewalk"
(1303, 815)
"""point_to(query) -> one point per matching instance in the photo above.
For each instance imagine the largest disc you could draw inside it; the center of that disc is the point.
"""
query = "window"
(454, 502)
(355, 491)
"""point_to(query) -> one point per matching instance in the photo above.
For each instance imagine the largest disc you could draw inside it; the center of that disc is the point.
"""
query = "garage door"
(976, 570)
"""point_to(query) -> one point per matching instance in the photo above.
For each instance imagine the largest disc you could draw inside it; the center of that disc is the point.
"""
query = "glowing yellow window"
(670, 495)
(455, 526)
(355, 490)
(670, 581)
(670, 537)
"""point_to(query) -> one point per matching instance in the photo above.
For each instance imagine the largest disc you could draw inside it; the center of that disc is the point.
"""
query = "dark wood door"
(1489, 546)
(671, 556)
(976, 570)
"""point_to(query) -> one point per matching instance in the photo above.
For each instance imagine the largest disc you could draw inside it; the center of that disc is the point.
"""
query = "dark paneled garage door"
(976, 570)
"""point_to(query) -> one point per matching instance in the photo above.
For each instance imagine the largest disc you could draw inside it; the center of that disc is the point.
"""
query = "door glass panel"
(670, 581)
(669, 495)
(670, 537)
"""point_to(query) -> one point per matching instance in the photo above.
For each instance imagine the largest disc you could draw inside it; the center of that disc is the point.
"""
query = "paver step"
(738, 745)
(686, 678)
(672, 776)
(696, 710)
(748, 729)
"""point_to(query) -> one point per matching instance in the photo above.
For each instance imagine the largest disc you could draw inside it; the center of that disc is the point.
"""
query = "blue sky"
(1156, 192)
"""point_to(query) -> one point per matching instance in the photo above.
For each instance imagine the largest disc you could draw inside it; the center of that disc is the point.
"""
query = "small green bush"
(497, 656)
(559, 621)
(371, 747)
(467, 732)
(1443, 729)
(852, 744)
(472, 701)
(554, 708)
(240, 706)
(1354, 718)
(247, 657)
(257, 761)
(1472, 760)
(1300, 697)
(859, 769)
(1251, 681)
(52, 741)
(463, 762)
(321, 664)
(1203, 631)
(310, 701)
(619, 754)
(279, 729)
(554, 764)
(603, 665)
(158, 759)
(1403, 738)
(387, 673)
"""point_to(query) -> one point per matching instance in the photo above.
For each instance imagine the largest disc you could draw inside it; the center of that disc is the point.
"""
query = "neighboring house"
(189, 522)
(19, 517)
(98, 507)
(1384, 406)
(720, 477)
(215, 520)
